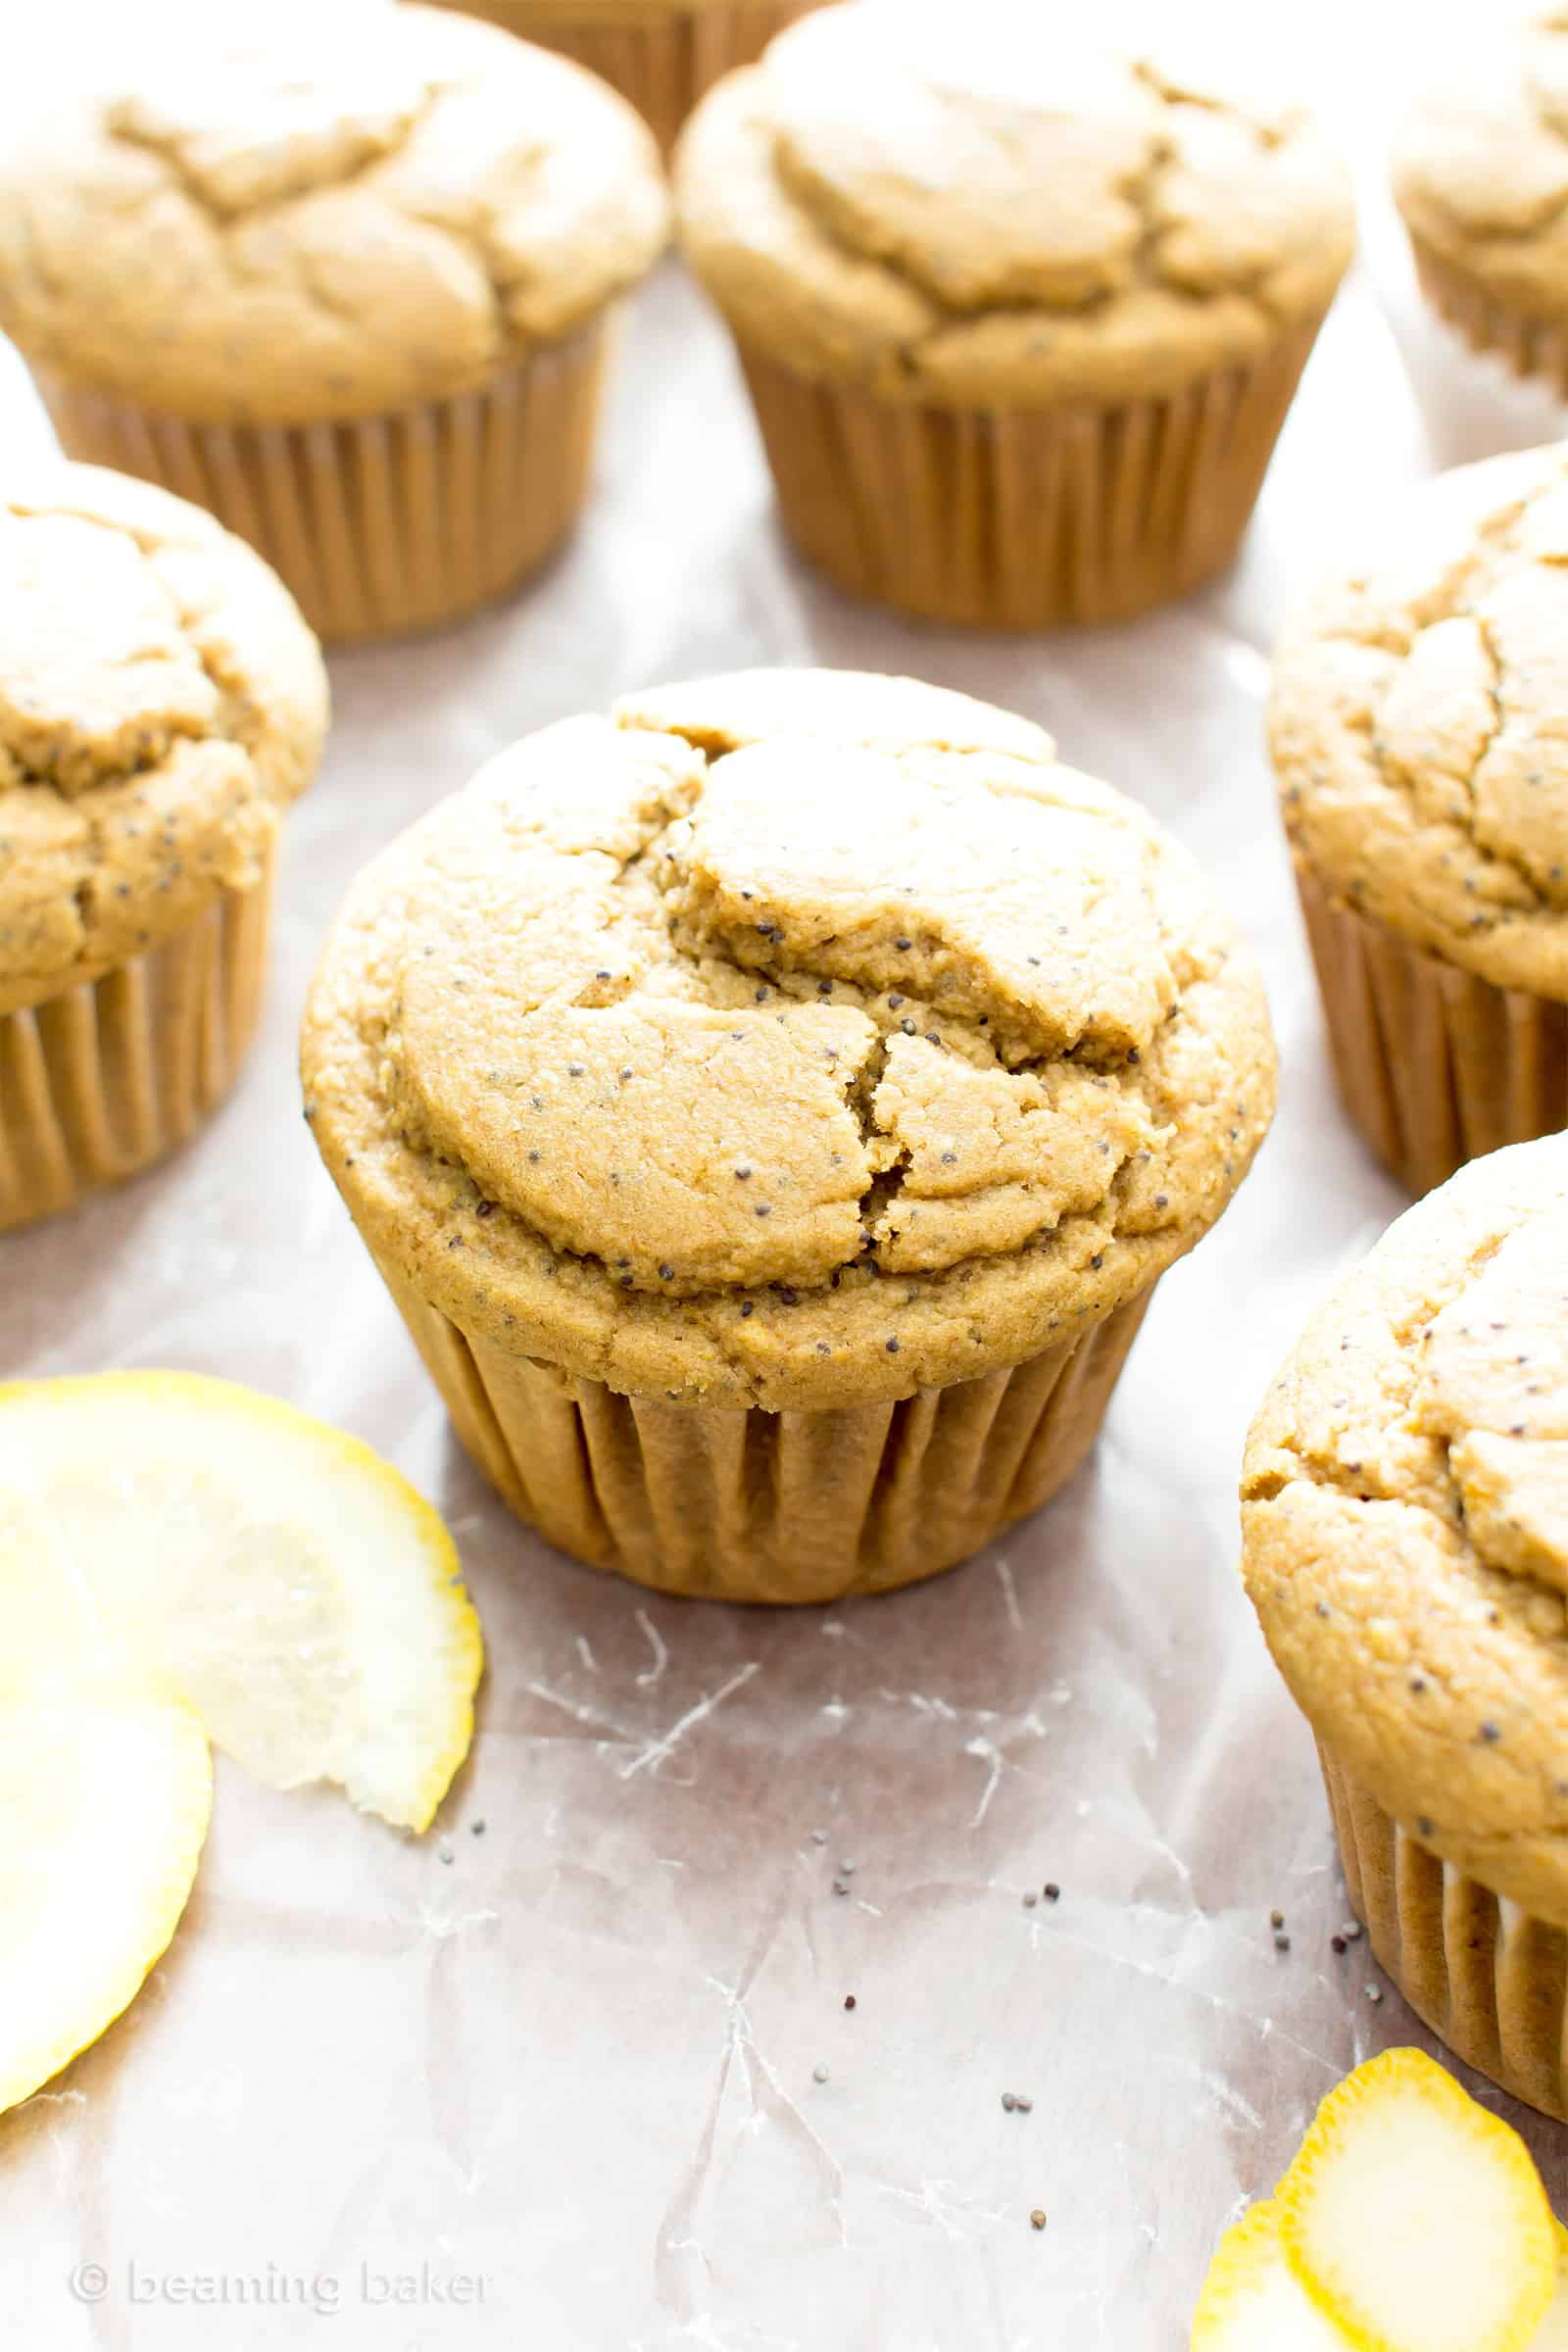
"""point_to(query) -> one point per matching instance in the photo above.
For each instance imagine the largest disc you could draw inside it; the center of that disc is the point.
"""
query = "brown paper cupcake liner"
(99, 1082)
(1023, 519)
(1490, 1979)
(390, 523)
(1528, 346)
(739, 1504)
(662, 65)
(1435, 1065)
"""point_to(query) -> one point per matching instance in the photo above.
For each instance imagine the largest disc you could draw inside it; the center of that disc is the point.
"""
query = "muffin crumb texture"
(951, 210)
(357, 210)
(1417, 724)
(790, 1038)
(1405, 1505)
(161, 702)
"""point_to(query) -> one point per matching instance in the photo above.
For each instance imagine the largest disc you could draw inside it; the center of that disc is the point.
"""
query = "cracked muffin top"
(797, 1037)
(349, 212)
(1405, 1516)
(1481, 165)
(161, 702)
(1419, 723)
(953, 205)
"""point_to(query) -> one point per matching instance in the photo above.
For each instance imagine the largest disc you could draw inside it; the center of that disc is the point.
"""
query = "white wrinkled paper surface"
(567, 2076)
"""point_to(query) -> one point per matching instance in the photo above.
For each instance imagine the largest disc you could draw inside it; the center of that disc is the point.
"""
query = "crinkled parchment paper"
(572, 2059)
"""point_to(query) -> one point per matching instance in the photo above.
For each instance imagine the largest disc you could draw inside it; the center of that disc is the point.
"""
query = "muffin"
(1407, 1548)
(1481, 180)
(1021, 316)
(345, 282)
(1419, 730)
(771, 1108)
(660, 54)
(161, 704)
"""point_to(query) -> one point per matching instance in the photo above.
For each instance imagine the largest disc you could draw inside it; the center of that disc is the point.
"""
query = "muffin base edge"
(1435, 1065)
(106, 1077)
(1023, 519)
(381, 525)
(737, 1503)
(661, 66)
(1528, 347)
(1490, 1979)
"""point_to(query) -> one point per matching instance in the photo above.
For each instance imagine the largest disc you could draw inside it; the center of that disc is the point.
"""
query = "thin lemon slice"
(278, 1575)
(105, 1795)
(1252, 2300)
(1415, 2219)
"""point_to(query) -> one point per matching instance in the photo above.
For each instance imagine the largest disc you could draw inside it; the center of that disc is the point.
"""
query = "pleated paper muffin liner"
(1023, 519)
(662, 65)
(740, 1504)
(1488, 1976)
(105, 1078)
(388, 524)
(1536, 347)
(1435, 1065)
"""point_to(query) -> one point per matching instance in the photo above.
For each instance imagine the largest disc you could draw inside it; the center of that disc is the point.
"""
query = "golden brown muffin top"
(979, 204)
(1481, 163)
(1419, 723)
(1405, 1516)
(161, 702)
(795, 1038)
(341, 212)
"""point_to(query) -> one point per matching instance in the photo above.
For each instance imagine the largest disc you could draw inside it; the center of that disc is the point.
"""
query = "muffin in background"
(771, 1108)
(660, 54)
(345, 280)
(1481, 179)
(161, 704)
(1407, 1548)
(1419, 732)
(1021, 312)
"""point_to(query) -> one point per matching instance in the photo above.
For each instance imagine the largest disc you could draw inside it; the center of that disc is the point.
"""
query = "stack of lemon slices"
(1412, 2220)
(183, 1561)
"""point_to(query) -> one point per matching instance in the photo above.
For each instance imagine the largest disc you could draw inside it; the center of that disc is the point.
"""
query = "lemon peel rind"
(1412, 2071)
(167, 1894)
(409, 1805)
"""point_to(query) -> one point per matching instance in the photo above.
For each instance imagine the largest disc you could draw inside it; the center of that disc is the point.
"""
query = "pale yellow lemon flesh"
(279, 1576)
(1415, 2219)
(105, 1795)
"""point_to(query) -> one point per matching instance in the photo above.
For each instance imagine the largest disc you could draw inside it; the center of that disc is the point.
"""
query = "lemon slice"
(1252, 2300)
(105, 1795)
(276, 1574)
(1415, 2219)
(1552, 2334)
